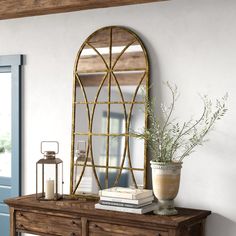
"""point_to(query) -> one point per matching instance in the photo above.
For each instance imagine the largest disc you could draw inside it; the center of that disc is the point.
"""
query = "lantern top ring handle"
(43, 142)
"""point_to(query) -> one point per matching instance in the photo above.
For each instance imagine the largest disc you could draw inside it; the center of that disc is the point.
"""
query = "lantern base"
(42, 197)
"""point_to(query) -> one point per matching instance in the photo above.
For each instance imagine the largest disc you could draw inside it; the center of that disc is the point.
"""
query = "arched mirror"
(110, 84)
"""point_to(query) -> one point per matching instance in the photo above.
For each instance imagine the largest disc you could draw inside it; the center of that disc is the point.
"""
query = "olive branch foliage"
(172, 141)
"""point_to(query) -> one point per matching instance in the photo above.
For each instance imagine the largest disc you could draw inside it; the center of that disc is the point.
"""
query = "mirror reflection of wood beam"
(132, 61)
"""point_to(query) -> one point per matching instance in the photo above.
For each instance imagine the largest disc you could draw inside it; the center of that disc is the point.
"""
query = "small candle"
(49, 193)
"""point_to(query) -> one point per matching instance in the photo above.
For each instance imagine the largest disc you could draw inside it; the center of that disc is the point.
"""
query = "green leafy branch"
(172, 141)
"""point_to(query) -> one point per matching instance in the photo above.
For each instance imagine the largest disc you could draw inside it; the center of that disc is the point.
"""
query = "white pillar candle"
(49, 193)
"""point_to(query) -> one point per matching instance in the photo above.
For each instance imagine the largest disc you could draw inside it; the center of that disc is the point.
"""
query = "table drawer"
(47, 224)
(106, 229)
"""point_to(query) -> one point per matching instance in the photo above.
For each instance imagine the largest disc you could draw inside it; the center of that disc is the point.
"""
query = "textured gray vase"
(165, 182)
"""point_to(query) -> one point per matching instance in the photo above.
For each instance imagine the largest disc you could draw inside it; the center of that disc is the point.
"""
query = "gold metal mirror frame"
(109, 73)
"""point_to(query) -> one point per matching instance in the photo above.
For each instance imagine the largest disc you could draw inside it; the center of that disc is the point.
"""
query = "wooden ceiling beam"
(23, 8)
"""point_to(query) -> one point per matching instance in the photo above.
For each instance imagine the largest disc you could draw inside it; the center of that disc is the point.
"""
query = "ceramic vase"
(165, 181)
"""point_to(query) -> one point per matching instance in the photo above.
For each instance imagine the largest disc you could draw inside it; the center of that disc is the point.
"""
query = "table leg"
(203, 228)
(12, 222)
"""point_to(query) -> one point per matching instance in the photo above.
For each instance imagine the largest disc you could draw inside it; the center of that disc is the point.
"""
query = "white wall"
(191, 43)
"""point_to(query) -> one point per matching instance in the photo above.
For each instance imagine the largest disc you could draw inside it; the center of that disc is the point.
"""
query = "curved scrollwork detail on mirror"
(110, 84)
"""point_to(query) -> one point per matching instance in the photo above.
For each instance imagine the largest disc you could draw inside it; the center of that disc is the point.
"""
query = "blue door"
(10, 140)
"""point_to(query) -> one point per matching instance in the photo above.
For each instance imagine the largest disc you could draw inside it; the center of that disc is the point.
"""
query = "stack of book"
(129, 200)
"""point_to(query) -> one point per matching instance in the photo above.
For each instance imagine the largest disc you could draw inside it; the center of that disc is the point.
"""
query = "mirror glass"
(110, 86)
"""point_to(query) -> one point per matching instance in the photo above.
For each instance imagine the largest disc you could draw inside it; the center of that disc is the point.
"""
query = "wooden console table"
(79, 218)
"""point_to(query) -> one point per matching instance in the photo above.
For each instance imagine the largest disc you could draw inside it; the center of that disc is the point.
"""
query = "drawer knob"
(72, 234)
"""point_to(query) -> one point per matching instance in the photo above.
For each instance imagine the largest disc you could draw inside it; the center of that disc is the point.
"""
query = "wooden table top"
(83, 207)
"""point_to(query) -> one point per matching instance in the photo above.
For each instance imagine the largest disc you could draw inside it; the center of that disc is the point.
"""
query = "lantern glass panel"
(50, 179)
(39, 181)
(60, 180)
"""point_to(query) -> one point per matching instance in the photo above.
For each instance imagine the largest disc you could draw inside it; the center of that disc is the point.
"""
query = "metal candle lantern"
(49, 175)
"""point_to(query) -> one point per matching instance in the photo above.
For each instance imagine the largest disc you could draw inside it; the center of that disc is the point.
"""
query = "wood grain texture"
(84, 222)
(56, 225)
(12, 221)
(22, 8)
(129, 61)
(78, 217)
(108, 229)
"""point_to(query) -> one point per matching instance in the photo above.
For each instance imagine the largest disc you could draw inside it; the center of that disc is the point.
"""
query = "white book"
(142, 210)
(128, 193)
(129, 201)
(121, 204)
